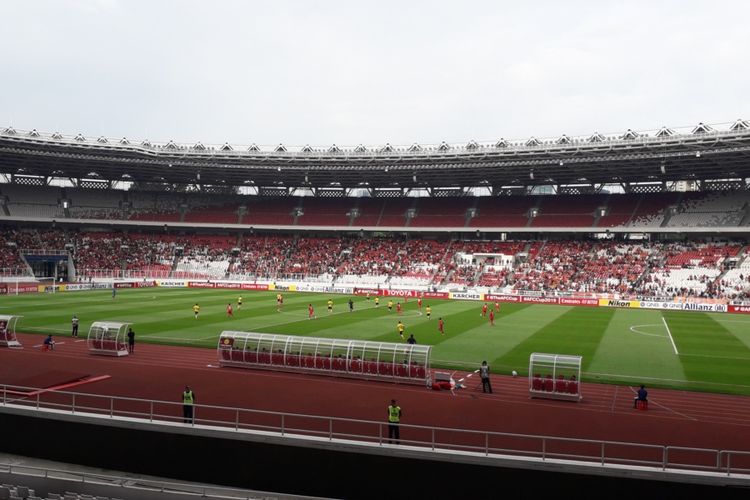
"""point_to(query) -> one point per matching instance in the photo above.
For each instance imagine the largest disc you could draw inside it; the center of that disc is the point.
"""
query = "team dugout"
(8, 331)
(555, 376)
(108, 338)
(353, 358)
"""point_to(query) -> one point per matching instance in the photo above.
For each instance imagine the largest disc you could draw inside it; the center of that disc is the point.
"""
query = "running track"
(675, 418)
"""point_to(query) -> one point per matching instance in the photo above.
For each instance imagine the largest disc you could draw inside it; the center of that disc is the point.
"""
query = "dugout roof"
(702, 152)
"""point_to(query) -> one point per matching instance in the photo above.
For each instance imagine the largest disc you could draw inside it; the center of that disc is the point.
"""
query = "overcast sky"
(349, 72)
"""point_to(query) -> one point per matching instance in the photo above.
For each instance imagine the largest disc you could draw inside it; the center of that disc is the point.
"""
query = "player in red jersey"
(419, 304)
(398, 307)
(497, 306)
(492, 318)
(441, 326)
(484, 309)
(230, 313)
(310, 311)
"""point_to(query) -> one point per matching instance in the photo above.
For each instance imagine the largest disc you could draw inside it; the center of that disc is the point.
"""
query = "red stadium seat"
(549, 384)
(561, 385)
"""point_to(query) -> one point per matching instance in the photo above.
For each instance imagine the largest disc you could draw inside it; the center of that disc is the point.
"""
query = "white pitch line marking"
(666, 407)
(635, 329)
(670, 335)
(56, 343)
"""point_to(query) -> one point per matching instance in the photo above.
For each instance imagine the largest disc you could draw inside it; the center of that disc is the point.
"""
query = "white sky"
(349, 72)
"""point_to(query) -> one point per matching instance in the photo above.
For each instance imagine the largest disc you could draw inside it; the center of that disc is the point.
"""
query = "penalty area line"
(674, 346)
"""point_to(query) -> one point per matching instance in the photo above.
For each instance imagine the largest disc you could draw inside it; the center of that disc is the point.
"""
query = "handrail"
(436, 438)
(125, 482)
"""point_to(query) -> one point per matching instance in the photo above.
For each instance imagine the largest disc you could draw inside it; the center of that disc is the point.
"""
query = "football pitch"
(686, 350)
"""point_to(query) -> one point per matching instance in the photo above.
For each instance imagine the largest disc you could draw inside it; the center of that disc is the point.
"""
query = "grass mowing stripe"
(617, 344)
(484, 342)
(699, 336)
(577, 332)
(635, 342)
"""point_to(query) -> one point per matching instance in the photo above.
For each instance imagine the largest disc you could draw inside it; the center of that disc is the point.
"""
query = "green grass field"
(617, 345)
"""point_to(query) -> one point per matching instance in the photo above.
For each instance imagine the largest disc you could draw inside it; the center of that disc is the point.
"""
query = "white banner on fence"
(171, 284)
(466, 296)
(680, 306)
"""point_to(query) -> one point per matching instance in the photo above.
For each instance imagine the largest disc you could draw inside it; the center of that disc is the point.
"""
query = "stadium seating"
(441, 212)
(715, 269)
(718, 209)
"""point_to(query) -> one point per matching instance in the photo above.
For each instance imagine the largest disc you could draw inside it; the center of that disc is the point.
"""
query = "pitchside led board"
(8, 331)
(108, 338)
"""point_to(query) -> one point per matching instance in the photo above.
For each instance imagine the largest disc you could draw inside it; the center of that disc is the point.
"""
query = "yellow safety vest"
(187, 397)
(394, 414)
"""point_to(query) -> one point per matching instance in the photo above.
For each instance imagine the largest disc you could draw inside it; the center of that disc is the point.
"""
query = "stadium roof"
(701, 152)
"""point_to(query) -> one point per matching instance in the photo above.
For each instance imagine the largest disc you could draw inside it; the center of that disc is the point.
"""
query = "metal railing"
(487, 443)
(129, 482)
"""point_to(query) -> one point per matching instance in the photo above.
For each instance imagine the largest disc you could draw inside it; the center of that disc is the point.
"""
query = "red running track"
(674, 418)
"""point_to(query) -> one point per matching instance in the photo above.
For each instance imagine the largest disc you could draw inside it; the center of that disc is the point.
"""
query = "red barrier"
(254, 286)
(530, 299)
(201, 284)
(567, 301)
(501, 298)
(739, 309)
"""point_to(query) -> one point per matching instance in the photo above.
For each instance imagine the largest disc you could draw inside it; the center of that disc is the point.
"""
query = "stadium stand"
(714, 269)
(325, 212)
(719, 209)
(442, 212)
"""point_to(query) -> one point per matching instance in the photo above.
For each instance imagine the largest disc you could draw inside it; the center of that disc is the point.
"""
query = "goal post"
(555, 376)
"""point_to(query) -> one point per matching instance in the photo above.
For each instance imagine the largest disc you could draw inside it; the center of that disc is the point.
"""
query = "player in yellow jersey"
(377, 301)
(400, 327)
(428, 311)
(239, 302)
(279, 302)
(390, 305)
(330, 306)
(196, 310)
